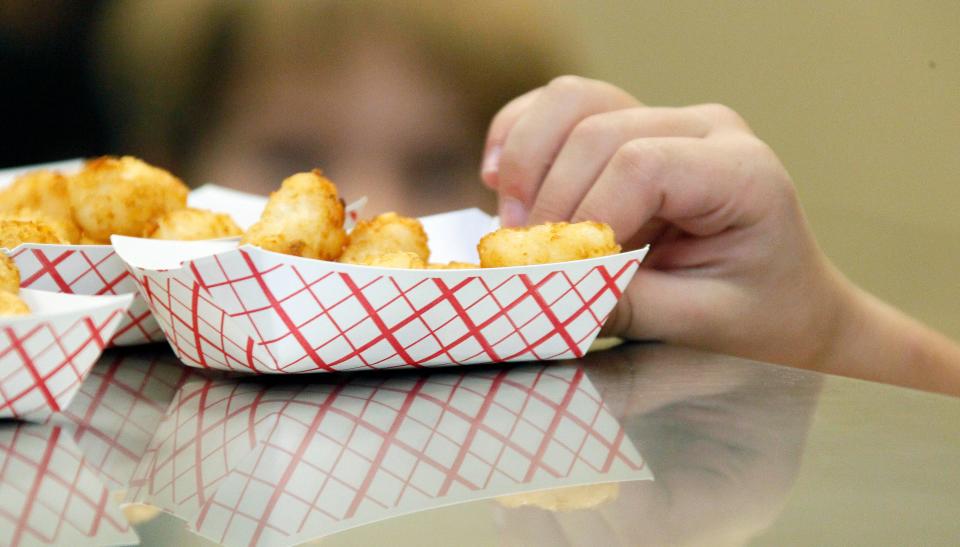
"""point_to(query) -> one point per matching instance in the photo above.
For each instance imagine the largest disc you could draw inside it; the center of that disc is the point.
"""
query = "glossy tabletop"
(637, 445)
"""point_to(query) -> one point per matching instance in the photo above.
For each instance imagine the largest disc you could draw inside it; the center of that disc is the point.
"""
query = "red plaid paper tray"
(252, 310)
(268, 464)
(45, 356)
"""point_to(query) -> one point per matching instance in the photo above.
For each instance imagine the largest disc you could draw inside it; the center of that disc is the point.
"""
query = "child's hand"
(733, 265)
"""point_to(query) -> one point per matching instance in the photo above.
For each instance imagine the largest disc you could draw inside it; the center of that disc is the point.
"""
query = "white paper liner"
(257, 311)
(45, 356)
(50, 496)
(249, 464)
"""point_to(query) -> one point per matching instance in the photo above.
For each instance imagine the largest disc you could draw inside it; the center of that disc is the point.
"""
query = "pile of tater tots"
(304, 217)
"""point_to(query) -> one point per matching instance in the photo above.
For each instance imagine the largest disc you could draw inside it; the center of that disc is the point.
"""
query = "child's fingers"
(536, 137)
(497, 134)
(698, 185)
(594, 141)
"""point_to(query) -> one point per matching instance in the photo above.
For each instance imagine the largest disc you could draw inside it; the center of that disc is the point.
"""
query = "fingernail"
(491, 164)
(512, 212)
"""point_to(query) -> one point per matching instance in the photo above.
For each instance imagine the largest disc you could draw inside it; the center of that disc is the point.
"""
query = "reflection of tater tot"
(386, 233)
(454, 265)
(402, 259)
(192, 224)
(9, 274)
(546, 243)
(303, 218)
(571, 498)
(121, 195)
(11, 304)
(14, 232)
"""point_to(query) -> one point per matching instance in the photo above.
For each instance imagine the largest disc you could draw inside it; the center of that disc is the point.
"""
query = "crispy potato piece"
(85, 239)
(12, 304)
(65, 228)
(9, 275)
(453, 265)
(303, 218)
(42, 191)
(13, 232)
(121, 195)
(401, 259)
(546, 243)
(386, 233)
(571, 498)
(192, 224)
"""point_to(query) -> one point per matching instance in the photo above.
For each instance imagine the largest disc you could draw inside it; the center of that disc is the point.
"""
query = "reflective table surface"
(636, 445)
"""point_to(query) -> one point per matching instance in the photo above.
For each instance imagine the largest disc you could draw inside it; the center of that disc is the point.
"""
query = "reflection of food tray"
(282, 464)
(247, 309)
(52, 495)
(45, 356)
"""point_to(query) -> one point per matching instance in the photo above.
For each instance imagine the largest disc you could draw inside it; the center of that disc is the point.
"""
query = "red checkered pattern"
(48, 496)
(258, 311)
(92, 270)
(118, 408)
(44, 360)
(247, 464)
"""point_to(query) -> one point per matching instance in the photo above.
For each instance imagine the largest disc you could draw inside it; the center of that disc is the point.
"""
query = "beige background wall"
(860, 99)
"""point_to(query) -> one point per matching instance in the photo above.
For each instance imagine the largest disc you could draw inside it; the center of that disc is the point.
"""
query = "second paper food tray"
(242, 308)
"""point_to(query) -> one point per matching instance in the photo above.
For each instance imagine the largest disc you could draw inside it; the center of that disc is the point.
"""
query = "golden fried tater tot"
(65, 228)
(121, 195)
(13, 232)
(303, 218)
(454, 265)
(12, 304)
(546, 243)
(402, 259)
(571, 498)
(42, 191)
(192, 224)
(86, 239)
(9, 274)
(386, 233)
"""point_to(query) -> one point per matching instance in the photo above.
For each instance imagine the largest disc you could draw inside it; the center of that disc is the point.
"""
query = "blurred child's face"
(380, 124)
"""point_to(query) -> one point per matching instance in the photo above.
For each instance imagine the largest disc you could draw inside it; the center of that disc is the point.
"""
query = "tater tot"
(9, 274)
(454, 265)
(546, 243)
(14, 232)
(42, 191)
(12, 304)
(386, 233)
(121, 195)
(303, 218)
(192, 224)
(65, 228)
(402, 259)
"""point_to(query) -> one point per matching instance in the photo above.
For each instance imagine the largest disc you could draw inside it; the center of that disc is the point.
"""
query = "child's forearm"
(875, 341)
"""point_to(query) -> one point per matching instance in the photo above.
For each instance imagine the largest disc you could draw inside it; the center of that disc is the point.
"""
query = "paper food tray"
(45, 356)
(268, 465)
(252, 310)
(96, 270)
